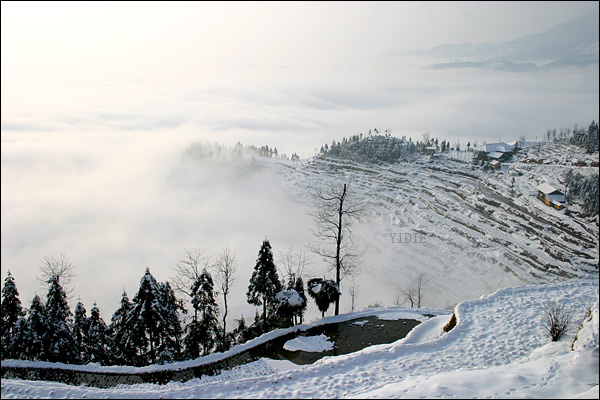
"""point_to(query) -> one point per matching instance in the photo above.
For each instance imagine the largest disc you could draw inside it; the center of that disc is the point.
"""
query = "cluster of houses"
(499, 152)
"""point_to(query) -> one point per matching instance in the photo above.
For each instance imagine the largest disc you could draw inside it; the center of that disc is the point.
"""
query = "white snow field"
(498, 349)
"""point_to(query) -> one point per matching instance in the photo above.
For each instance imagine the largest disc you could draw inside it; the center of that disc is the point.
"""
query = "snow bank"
(498, 349)
(314, 344)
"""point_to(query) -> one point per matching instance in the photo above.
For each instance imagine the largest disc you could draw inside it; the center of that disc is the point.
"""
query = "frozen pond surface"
(346, 337)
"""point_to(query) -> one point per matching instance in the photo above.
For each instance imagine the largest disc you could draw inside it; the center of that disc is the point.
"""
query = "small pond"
(347, 337)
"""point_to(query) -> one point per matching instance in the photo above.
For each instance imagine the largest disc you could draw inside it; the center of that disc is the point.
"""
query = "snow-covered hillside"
(498, 349)
(468, 230)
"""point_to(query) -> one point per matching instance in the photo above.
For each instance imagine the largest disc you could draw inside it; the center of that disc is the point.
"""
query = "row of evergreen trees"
(386, 148)
(149, 329)
(586, 139)
(585, 190)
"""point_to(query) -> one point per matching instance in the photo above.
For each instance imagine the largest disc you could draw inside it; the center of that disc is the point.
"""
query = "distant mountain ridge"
(573, 42)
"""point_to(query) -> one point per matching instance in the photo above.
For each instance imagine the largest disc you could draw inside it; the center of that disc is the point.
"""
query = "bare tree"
(294, 263)
(419, 282)
(425, 137)
(335, 212)
(413, 293)
(226, 267)
(406, 294)
(188, 269)
(353, 292)
(60, 267)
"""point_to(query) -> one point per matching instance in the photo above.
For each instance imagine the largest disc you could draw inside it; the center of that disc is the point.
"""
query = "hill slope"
(469, 231)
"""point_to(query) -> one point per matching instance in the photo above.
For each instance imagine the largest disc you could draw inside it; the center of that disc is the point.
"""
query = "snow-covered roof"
(495, 162)
(547, 188)
(495, 154)
(520, 144)
(500, 146)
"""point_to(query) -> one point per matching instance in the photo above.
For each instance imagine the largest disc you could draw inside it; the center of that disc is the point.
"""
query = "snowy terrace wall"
(110, 376)
(84, 375)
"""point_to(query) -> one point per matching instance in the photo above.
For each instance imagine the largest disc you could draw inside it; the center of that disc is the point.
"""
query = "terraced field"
(469, 231)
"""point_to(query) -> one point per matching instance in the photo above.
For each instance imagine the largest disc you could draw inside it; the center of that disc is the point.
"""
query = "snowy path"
(498, 349)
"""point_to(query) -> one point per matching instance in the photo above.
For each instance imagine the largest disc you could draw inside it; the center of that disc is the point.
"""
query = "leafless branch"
(188, 269)
(295, 263)
(226, 268)
(60, 267)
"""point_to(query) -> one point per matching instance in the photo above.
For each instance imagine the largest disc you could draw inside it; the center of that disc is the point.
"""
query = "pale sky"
(99, 100)
(122, 32)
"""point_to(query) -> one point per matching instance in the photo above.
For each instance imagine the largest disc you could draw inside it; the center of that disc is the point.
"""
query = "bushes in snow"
(556, 319)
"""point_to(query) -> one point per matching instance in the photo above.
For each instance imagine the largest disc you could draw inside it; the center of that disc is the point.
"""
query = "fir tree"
(264, 283)
(35, 345)
(171, 340)
(62, 345)
(121, 353)
(97, 343)
(145, 320)
(591, 143)
(79, 330)
(19, 344)
(240, 332)
(11, 312)
(203, 330)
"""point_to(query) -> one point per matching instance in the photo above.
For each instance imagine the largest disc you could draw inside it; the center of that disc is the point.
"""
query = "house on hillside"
(498, 155)
(498, 147)
(495, 153)
(551, 196)
(430, 150)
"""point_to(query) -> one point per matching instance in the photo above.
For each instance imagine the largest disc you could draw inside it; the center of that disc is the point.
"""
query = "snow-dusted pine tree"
(20, 332)
(97, 343)
(121, 353)
(204, 328)
(36, 345)
(145, 320)
(62, 345)
(80, 321)
(12, 310)
(170, 348)
(264, 283)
